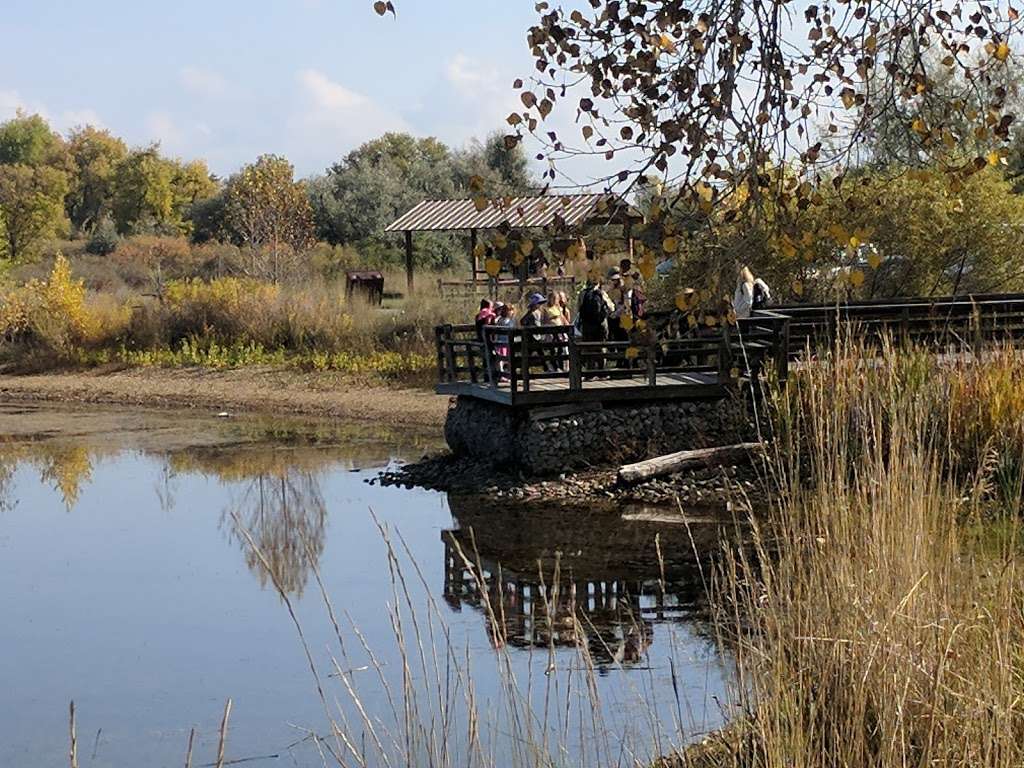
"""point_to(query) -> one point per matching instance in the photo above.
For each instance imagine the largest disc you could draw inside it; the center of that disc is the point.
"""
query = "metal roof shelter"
(461, 215)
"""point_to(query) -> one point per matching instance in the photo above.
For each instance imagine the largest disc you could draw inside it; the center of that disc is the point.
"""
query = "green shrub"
(104, 238)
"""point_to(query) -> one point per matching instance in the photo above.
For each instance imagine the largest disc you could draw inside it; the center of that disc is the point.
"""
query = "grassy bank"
(224, 322)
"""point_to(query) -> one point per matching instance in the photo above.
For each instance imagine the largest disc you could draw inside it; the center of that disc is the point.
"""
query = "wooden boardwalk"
(695, 385)
(549, 365)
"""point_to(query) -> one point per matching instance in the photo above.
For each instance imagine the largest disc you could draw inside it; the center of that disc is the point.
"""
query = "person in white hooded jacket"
(751, 293)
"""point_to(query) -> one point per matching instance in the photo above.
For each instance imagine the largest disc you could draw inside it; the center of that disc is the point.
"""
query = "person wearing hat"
(534, 317)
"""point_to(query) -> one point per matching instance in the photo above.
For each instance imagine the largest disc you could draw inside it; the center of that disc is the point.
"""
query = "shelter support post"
(408, 260)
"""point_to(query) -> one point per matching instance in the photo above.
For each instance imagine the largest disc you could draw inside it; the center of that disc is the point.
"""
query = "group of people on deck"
(603, 304)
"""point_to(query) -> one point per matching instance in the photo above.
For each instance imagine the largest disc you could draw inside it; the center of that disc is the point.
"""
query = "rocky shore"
(738, 484)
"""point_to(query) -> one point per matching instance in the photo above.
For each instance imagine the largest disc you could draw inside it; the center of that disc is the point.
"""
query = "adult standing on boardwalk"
(751, 294)
(594, 310)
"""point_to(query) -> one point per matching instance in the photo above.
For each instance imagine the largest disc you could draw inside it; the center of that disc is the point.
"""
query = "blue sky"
(228, 80)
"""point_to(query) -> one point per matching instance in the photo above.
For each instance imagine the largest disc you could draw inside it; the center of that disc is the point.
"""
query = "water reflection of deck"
(578, 577)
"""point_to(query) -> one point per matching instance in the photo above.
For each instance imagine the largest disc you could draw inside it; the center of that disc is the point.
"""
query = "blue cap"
(536, 299)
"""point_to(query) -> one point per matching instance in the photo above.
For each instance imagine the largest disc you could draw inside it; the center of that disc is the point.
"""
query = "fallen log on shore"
(673, 462)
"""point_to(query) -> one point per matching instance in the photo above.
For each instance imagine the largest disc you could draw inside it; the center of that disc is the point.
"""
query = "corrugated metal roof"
(518, 212)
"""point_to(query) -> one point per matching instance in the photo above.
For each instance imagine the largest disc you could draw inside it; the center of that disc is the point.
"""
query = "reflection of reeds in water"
(551, 714)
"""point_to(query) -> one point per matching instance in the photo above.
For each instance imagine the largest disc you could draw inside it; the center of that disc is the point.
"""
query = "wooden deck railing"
(935, 323)
(522, 363)
(544, 358)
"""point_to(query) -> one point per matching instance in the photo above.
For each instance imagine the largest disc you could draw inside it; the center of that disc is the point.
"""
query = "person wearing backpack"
(751, 294)
(594, 310)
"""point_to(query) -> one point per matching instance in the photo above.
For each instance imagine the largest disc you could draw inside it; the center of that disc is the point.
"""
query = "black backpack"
(759, 297)
(593, 308)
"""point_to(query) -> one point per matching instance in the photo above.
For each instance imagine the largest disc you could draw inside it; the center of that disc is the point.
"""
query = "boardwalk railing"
(668, 359)
(945, 323)
(553, 363)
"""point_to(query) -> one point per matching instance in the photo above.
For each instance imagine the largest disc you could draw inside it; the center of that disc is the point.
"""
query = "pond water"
(149, 562)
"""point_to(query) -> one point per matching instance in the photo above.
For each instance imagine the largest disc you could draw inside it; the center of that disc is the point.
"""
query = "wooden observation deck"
(549, 365)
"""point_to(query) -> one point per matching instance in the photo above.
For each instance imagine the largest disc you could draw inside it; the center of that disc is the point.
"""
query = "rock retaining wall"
(615, 434)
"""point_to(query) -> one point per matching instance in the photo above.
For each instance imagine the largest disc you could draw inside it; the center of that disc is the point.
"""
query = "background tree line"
(89, 185)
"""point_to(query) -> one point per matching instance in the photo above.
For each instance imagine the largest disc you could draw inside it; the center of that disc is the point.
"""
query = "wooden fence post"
(782, 349)
(652, 371)
(725, 355)
(575, 364)
(471, 362)
(492, 369)
(441, 372)
(449, 353)
(526, 360)
(513, 367)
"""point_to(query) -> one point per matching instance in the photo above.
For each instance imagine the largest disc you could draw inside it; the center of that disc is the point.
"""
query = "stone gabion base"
(615, 434)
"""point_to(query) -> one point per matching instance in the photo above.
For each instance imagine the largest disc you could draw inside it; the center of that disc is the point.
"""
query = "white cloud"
(11, 102)
(202, 82)
(330, 119)
(480, 98)
(75, 118)
(163, 128)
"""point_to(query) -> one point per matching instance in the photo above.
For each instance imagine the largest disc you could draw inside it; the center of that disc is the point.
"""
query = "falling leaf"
(734, 373)
(670, 244)
(626, 321)
(918, 126)
(710, 321)
(798, 287)
(1002, 51)
(874, 260)
(692, 321)
(380, 7)
(479, 250)
(480, 203)
(856, 278)
(632, 353)
(647, 268)
(992, 157)
(526, 246)
(493, 267)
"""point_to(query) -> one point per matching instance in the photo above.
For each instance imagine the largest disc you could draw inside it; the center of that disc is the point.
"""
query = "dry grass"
(877, 631)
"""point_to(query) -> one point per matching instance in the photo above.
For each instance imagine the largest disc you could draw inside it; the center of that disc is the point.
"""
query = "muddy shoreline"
(275, 391)
(254, 389)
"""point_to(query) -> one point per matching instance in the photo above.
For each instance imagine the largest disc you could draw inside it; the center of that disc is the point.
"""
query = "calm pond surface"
(134, 557)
